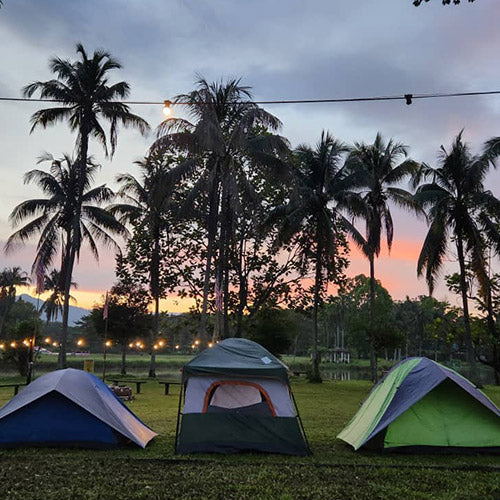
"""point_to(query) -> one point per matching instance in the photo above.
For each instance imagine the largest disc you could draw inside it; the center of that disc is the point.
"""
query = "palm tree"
(54, 282)
(460, 210)
(378, 172)
(228, 132)
(52, 218)
(87, 99)
(149, 203)
(313, 216)
(10, 278)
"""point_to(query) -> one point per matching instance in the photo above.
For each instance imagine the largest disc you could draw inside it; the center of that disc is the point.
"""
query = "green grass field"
(334, 471)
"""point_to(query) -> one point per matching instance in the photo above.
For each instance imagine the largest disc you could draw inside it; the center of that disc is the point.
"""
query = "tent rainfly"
(423, 405)
(70, 408)
(237, 397)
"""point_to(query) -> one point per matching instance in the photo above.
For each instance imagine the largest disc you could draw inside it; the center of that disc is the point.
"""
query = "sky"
(285, 49)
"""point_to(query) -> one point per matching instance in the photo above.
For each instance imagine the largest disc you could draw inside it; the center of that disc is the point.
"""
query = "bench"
(298, 373)
(167, 385)
(16, 387)
(137, 383)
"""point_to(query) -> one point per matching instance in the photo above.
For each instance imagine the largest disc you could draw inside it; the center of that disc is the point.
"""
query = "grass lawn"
(334, 471)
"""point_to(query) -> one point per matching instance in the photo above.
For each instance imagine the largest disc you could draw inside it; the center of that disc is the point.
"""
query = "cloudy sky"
(284, 49)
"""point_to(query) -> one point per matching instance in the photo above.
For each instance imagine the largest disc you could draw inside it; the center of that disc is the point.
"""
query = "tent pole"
(182, 389)
(300, 420)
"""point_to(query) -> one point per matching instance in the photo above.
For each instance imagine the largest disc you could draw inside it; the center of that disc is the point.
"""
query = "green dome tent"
(421, 404)
(237, 397)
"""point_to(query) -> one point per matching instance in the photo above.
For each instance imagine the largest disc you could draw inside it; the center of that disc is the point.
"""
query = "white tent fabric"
(89, 392)
(233, 394)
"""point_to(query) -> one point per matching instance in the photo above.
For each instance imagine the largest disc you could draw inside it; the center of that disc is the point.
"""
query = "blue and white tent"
(70, 408)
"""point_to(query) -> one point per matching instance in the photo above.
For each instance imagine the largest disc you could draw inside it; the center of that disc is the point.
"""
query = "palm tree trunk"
(69, 262)
(221, 278)
(494, 361)
(315, 375)
(225, 312)
(465, 303)
(242, 295)
(2, 320)
(123, 370)
(154, 336)
(242, 289)
(373, 350)
(225, 267)
(9, 301)
(155, 292)
(212, 231)
(73, 238)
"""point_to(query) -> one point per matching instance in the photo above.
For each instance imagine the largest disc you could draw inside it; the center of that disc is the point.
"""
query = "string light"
(167, 108)
(407, 98)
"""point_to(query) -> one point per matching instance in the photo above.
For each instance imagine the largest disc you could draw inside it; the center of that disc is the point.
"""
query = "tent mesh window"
(240, 397)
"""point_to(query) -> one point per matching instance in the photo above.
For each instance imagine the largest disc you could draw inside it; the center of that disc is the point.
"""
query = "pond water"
(344, 372)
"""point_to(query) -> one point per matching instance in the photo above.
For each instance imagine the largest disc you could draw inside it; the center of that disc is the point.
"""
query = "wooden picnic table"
(16, 387)
(137, 383)
(167, 384)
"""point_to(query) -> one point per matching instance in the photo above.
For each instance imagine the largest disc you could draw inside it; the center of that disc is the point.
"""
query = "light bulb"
(167, 109)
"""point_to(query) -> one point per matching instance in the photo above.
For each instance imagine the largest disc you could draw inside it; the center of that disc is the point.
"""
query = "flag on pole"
(218, 296)
(105, 309)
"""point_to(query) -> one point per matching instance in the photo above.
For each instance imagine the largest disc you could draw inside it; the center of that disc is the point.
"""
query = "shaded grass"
(334, 471)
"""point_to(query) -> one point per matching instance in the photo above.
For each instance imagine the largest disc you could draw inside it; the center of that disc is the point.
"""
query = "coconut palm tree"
(53, 307)
(227, 133)
(86, 100)
(314, 216)
(52, 218)
(379, 168)
(149, 202)
(462, 211)
(10, 278)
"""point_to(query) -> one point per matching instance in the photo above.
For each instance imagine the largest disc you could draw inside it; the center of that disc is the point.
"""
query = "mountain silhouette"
(75, 313)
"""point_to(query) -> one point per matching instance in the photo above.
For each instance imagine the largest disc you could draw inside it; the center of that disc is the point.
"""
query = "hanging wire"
(408, 98)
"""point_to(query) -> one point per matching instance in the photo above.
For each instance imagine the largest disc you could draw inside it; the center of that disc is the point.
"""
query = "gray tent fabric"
(237, 357)
(88, 392)
(237, 398)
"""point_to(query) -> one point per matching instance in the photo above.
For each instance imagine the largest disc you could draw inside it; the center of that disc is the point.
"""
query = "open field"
(334, 470)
